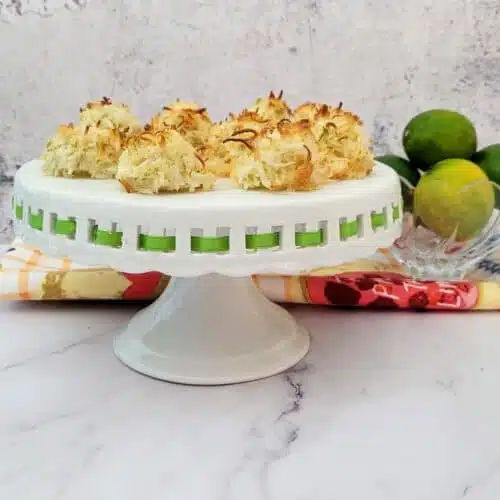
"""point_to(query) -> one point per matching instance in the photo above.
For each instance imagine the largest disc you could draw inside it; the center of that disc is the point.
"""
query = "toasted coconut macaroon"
(344, 147)
(93, 152)
(302, 131)
(307, 111)
(249, 120)
(221, 156)
(162, 161)
(217, 159)
(62, 153)
(273, 108)
(101, 150)
(231, 139)
(188, 118)
(111, 115)
(281, 161)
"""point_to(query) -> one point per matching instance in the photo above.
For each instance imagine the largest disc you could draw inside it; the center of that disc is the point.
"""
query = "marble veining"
(387, 64)
(10, 10)
(385, 407)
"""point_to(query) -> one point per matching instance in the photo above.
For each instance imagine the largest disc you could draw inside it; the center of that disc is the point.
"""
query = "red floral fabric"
(389, 290)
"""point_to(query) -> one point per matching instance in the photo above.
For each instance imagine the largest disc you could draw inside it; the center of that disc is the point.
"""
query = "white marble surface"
(388, 406)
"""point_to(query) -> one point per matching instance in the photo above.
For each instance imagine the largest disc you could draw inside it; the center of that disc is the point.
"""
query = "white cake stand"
(211, 325)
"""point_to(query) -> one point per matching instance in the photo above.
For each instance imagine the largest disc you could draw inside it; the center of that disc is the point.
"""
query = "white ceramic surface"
(387, 406)
(210, 328)
(106, 204)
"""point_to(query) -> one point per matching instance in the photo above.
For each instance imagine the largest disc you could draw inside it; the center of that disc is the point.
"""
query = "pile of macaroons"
(266, 146)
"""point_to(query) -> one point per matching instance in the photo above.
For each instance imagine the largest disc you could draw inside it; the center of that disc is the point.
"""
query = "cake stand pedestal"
(211, 325)
(212, 330)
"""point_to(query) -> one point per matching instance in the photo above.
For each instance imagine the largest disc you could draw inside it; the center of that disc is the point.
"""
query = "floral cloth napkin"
(27, 274)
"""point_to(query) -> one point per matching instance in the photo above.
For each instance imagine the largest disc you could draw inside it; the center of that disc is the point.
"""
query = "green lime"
(489, 161)
(438, 134)
(403, 169)
(454, 195)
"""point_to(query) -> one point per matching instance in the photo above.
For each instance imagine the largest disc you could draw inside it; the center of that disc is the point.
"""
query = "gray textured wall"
(384, 59)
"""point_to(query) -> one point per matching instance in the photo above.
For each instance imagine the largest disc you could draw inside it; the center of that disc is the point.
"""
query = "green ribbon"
(206, 244)
(19, 211)
(157, 243)
(107, 238)
(209, 244)
(396, 213)
(349, 229)
(36, 221)
(309, 239)
(262, 241)
(378, 220)
(65, 227)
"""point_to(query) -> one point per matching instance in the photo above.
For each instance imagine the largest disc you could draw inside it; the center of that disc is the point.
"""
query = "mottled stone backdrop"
(384, 59)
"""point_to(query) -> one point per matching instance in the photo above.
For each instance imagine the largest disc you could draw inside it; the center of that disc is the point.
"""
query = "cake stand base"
(212, 330)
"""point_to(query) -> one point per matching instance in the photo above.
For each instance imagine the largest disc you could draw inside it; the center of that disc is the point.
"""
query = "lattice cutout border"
(347, 230)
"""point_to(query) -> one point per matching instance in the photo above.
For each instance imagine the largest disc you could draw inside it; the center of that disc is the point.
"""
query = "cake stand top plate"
(227, 230)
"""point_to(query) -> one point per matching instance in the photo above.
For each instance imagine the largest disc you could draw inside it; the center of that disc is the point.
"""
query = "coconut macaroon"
(299, 131)
(249, 120)
(93, 152)
(343, 144)
(110, 115)
(222, 157)
(218, 158)
(221, 150)
(307, 111)
(188, 118)
(281, 160)
(162, 161)
(62, 154)
(302, 131)
(344, 148)
(273, 108)
(101, 150)
(228, 142)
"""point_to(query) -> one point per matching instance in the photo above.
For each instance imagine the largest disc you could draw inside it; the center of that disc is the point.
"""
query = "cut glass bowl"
(427, 256)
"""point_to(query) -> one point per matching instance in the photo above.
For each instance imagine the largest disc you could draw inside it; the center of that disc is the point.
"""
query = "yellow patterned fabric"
(27, 274)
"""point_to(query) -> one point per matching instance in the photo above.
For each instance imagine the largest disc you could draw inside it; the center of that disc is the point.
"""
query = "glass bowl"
(427, 256)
